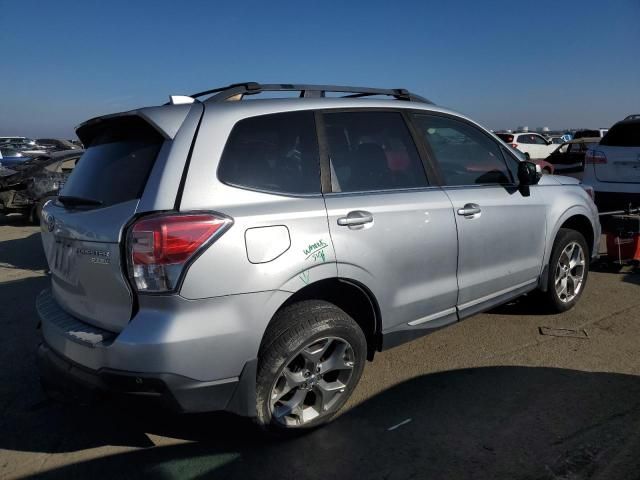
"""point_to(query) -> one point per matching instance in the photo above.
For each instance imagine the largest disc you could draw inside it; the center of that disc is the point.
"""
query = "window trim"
(325, 163)
(274, 192)
(433, 158)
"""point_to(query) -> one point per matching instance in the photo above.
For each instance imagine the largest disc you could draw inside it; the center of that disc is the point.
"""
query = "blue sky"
(557, 64)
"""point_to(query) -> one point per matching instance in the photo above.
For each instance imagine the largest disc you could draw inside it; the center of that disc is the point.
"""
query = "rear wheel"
(568, 270)
(311, 360)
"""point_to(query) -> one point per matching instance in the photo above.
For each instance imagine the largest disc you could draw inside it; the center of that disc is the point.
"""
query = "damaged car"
(26, 186)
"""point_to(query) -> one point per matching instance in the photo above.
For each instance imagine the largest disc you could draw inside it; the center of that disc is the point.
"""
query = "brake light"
(514, 145)
(159, 247)
(595, 157)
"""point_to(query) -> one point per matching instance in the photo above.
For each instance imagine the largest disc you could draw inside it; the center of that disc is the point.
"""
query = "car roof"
(264, 106)
(629, 121)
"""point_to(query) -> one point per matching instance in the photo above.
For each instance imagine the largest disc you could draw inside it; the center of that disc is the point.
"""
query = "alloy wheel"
(569, 275)
(312, 381)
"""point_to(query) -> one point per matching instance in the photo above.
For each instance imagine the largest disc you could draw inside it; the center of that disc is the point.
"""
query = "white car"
(612, 167)
(533, 145)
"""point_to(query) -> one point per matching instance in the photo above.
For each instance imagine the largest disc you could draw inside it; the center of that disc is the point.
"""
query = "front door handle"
(469, 209)
(355, 218)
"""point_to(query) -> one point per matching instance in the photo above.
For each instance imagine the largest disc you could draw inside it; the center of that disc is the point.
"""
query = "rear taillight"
(514, 145)
(593, 156)
(159, 247)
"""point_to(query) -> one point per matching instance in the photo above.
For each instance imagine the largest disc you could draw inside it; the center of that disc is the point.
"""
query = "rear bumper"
(173, 392)
(193, 356)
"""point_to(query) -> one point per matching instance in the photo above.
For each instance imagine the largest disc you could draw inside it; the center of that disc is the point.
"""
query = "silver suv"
(249, 255)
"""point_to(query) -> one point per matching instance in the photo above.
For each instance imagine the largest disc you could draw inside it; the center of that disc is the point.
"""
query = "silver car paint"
(83, 252)
(498, 248)
(391, 255)
(206, 340)
(408, 256)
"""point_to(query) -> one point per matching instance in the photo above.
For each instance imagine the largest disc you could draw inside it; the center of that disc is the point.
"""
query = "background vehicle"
(568, 158)
(10, 157)
(26, 148)
(586, 133)
(613, 166)
(272, 246)
(533, 145)
(27, 185)
(56, 144)
(545, 167)
(14, 139)
(556, 139)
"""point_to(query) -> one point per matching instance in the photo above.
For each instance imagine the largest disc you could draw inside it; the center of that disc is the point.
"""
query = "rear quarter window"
(275, 153)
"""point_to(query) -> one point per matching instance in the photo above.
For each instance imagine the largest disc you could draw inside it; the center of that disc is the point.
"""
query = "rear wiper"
(70, 201)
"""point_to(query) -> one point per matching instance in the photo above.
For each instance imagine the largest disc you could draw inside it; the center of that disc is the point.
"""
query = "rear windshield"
(117, 162)
(623, 135)
(505, 137)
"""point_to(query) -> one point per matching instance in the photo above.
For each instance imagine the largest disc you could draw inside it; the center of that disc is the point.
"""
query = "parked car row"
(606, 159)
(612, 166)
(24, 147)
(533, 145)
(26, 185)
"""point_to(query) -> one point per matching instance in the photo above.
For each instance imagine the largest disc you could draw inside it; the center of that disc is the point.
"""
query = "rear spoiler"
(166, 119)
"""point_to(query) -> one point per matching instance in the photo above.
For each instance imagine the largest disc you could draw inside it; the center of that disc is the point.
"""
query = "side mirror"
(529, 174)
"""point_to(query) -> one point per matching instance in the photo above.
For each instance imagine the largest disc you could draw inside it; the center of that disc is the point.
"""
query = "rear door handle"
(355, 218)
(469, 209)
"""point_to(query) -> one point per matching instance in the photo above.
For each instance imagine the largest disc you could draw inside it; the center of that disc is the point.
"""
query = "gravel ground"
(489, 397)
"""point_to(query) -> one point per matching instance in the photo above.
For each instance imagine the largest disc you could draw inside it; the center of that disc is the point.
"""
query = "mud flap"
(243, 400)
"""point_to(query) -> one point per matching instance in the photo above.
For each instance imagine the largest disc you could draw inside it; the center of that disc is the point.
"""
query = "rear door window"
(117, 162)
(465, 155)
(275, 153)
(623, 135)
(372, 150)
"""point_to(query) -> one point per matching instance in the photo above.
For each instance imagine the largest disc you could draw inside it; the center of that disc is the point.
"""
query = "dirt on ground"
(488, 398)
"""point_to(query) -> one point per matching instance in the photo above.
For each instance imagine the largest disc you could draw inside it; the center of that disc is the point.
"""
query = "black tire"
(564, 238)
(292, 330)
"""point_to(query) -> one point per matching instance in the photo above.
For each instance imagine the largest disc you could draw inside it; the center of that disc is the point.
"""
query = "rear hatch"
(621, 146)
(81, 231)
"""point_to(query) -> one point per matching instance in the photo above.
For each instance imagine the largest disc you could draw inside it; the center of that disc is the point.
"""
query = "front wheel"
(311, 359)
(568, 270)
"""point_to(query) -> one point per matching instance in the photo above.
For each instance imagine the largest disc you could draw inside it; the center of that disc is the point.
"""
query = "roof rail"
(635, 116)
(238, 90)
